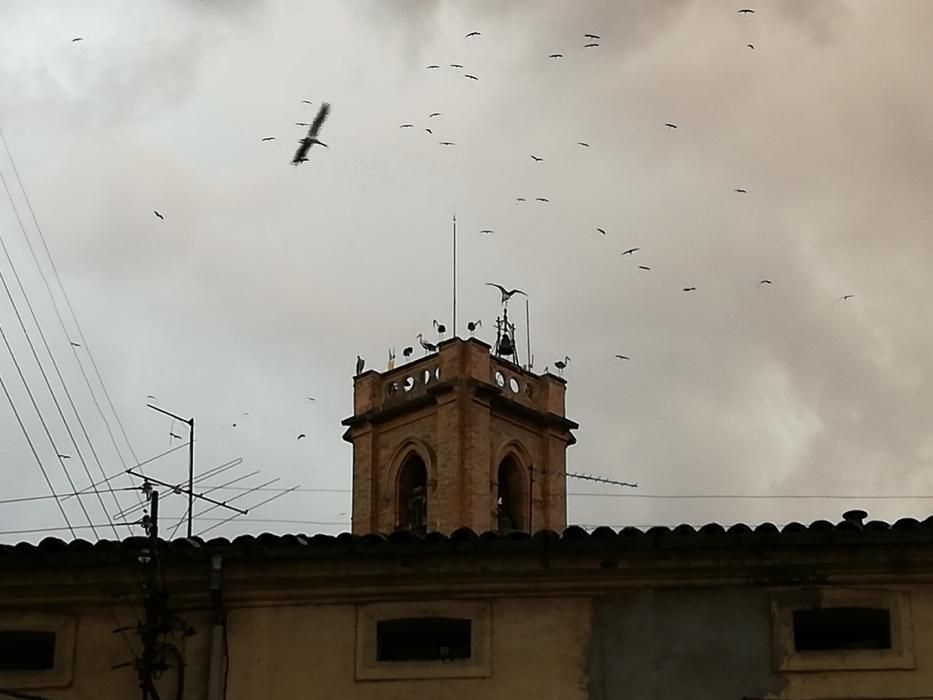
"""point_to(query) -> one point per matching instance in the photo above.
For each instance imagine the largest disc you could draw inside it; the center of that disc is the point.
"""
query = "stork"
(425, 345)
(440, 328)
(472, 326)
(562, 364)
(360, 363)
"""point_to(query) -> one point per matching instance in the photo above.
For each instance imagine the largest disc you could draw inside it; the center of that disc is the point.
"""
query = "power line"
(74, 316)
(62, 496)
(48, 350)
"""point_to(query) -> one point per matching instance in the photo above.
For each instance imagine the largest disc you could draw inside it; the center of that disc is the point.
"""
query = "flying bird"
(520, 199)
(746, 11)
(535, 158)
(301, 155)
(471, 77)
(630, 251)
(690, 289)
(643, 267)
(751, 46)
(623, 357)
(77, 38)
(740, 190)
(158, 215)
(150, 396)
(447, 143)
(765, 282)
(456, 65)
(406, 126)
(472, 34)
(360, 363)
(591, 36)
(302, 124)
(847, 296)
(669, 125)
(268, 138)
(486, 231)
(432, 67)
(506, 293)
(583, 143)
(308, 102)
(74, 344)
(601, 230)
(310, 398)
(301, 435)
(589, 46)
(61, 456)
(429, 131)
(434, 114)
(175, 436)
(542, 199)
(556, 55)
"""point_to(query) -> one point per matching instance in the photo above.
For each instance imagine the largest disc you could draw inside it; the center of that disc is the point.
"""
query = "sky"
(263, 281)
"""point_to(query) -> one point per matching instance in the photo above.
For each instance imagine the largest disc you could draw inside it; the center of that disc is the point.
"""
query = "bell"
(505, 346)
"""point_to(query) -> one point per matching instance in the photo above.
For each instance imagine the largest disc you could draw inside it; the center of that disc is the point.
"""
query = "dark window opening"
(829, 629)
(510, 504)
(424, 639)
(413, 495)
(27, 650)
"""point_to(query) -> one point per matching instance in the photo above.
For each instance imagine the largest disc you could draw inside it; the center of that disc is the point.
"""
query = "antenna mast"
(190, 423)
(453, 333)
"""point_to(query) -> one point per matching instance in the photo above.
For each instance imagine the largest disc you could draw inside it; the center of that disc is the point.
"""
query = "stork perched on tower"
(472, 326)
(425, 345)
(562, 364)
(440, 328)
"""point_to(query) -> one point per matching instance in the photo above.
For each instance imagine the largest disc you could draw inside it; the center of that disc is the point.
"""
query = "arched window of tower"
(511, 505)
(413, 495)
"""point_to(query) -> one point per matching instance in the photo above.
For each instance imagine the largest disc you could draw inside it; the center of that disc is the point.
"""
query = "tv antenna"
(190, 491)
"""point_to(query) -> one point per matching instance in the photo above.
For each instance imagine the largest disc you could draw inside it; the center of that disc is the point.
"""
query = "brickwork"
(462, 411)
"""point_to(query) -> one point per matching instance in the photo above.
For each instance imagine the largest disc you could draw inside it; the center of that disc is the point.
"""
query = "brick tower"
(459, 438)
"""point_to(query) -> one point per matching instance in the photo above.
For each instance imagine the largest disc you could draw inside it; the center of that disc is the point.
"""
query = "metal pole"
(528, 332)
(454, 327)
(531, 498)
(190, 473)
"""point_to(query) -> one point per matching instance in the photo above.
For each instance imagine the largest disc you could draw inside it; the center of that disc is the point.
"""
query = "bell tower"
(459, 438)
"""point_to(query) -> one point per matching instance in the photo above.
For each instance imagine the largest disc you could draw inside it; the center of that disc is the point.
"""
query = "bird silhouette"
(268, 138)
(360, 363)
(434, 114)
(310, 398)
(473, 325)
(751, 46)
(623, 357)
(471, 77)
(158, 215)
(406, 126)
(432, 67)
(61, 456)
(74, 344)
(562, 364)
(456, 65)
(150, 396)
(425, 345)
(308, 102)
(430, 132)
(764, 282)
(740, 190)
(486, 231)
(520, 199)
(506, 293)
(630, 251)
(535, 158)
(301, 435)
(301, 155)
(175, 436)
(447, 143)
(77, 38)
(302, 124)
(407, 351)
(583, 143)
(746, 11)
(589, 46)
(440, 327)
(556, 55)
(542, 199)
(690, 289)
(472, 34)
(591, 36)
(846, 297)
(669, 125)
(601, 230)
(643, 267)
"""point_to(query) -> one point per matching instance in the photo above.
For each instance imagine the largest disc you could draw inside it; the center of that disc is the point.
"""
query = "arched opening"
(413, 494)
(510, 502)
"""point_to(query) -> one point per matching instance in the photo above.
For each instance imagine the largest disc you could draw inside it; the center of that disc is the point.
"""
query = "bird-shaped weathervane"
(301, 155)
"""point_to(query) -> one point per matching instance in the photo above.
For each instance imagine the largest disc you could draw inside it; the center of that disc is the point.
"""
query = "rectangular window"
(27, 650)
(825, 629)
(423, 639)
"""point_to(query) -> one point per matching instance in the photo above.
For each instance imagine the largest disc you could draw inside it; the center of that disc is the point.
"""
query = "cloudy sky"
(264, 281)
